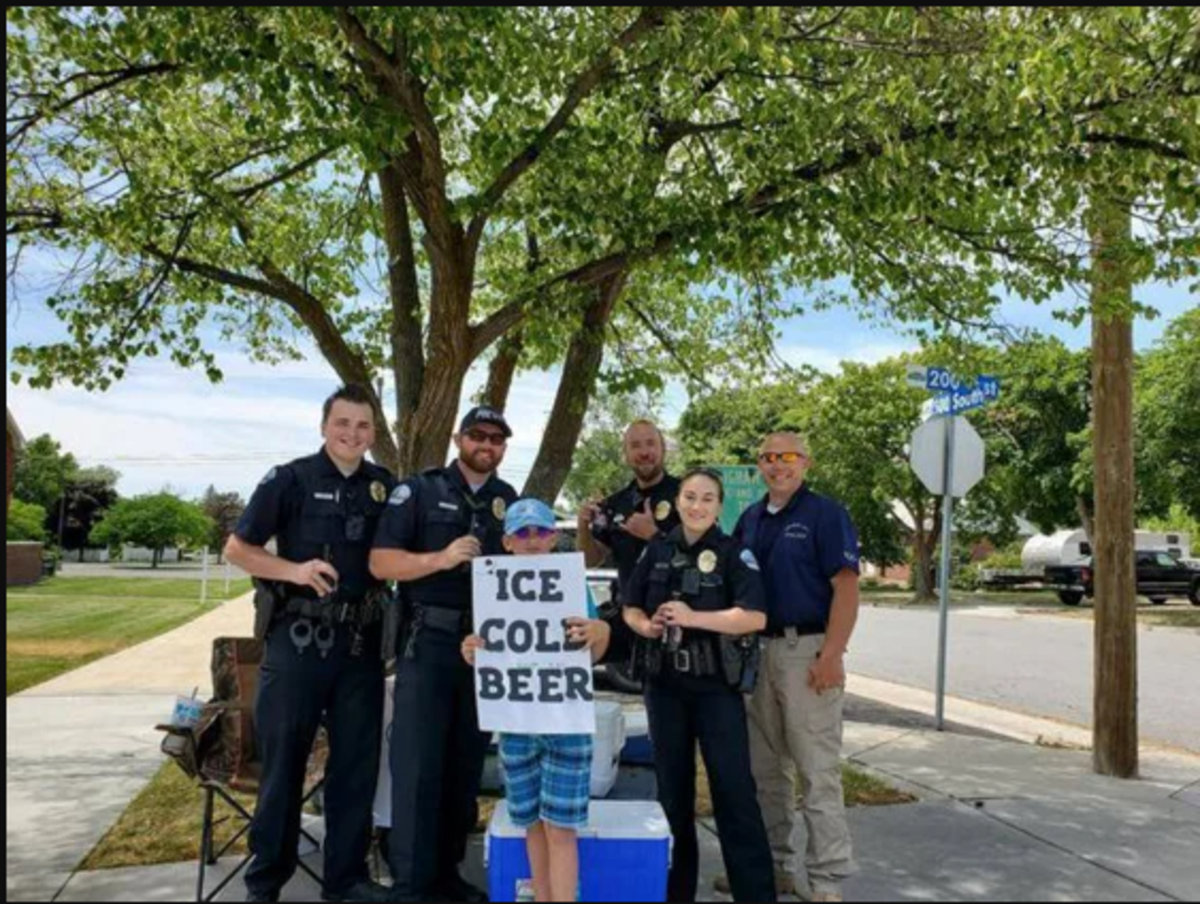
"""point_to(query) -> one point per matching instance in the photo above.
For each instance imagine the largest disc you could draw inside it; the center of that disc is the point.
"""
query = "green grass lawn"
(63, 623)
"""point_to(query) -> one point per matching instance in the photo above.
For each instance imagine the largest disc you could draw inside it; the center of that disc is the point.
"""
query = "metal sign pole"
(944, 571)
(204, 579)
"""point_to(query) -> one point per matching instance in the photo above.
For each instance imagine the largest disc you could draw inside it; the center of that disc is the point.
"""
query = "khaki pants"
(793, 729)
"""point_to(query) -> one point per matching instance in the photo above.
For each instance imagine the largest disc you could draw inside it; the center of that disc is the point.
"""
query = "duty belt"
(363, 613)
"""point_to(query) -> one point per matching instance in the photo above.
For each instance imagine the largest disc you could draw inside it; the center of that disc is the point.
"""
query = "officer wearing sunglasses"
(807, 547)
(318, 610)
(434, 525)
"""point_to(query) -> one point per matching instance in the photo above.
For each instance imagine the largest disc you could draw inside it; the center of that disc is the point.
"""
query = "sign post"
(948, 456)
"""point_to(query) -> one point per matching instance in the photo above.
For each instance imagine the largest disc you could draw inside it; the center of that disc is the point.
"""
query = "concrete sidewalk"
(79, 748)
(998, 818)
(173, 663)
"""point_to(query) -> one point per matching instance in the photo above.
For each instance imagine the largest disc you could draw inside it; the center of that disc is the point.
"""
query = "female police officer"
(692, 593)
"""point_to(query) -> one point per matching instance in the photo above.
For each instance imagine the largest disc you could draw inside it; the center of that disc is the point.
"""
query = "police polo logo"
(401, 495)
(378, 491)
(663, 511)
(707, 561)
(499, 508)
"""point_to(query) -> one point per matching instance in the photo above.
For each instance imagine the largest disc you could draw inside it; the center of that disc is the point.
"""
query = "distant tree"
(155, 522)
(43, 472)
(224, 509)
(89, 495)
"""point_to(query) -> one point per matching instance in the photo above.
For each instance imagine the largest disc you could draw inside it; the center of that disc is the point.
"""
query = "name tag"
(448, 507)
(324, 497)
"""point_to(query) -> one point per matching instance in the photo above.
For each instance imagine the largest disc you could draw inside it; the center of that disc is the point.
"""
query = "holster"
(732, 663)
(741, 660)
(394, 623)
(266, 604)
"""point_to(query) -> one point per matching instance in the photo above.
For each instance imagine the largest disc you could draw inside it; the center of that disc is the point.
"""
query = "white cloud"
(830, 360)
(166, 426)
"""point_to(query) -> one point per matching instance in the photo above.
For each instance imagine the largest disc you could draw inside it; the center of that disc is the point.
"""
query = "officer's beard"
(481, 461)
(648, 474)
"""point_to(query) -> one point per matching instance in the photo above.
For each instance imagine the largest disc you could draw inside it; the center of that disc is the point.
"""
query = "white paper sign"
(526, 682)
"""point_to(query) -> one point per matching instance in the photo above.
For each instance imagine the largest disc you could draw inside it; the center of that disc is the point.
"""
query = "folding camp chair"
(221, 754)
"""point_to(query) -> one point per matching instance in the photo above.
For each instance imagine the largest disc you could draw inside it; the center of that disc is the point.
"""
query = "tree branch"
(669, 346)
(585, 83)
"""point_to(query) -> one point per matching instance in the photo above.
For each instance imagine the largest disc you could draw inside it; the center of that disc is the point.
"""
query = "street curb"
(1009, 723)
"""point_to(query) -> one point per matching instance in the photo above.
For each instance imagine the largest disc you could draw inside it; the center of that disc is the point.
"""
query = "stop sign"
(928, 455)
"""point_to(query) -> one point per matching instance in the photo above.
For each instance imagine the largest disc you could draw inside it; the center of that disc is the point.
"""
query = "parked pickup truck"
(1160, 576)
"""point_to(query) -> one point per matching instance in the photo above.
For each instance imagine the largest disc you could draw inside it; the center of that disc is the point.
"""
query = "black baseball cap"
(485, 415)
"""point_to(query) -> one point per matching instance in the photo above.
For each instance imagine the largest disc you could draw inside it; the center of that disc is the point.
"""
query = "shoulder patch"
(748, 558)
(400, 495)
(271, 475)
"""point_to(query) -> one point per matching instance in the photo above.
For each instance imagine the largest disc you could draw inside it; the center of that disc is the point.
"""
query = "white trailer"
(1071, 547)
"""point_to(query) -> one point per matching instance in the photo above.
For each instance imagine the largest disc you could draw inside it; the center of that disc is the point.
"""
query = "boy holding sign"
(548, 776)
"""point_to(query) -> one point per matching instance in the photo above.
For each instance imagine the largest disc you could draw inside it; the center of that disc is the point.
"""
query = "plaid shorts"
(548, 778)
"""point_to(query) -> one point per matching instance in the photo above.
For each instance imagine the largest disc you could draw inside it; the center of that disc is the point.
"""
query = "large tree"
(406, 186)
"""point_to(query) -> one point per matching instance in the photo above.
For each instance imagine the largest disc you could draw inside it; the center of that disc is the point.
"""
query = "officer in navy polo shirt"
(807, 548)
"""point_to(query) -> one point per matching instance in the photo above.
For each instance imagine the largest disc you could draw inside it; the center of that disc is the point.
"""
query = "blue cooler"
(624, 853)
(638, 750)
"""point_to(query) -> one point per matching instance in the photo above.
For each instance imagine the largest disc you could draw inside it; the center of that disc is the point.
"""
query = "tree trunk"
(408, 353)
(924, 545)
(503, 370)
(580, 370)
(154, 554)
(1115, 732)
(1086, 519)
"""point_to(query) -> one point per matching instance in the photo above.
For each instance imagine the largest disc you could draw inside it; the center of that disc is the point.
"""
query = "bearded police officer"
(435, 524)
(630, 518)
(319, 612)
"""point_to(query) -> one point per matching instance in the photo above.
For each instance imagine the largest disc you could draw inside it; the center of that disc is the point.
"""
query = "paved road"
(1038, 664)
(172, 571)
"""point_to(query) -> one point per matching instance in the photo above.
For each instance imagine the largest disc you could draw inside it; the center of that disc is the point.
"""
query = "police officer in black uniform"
(318, 608)
(697, 597)
(631, 517)
(434, 526)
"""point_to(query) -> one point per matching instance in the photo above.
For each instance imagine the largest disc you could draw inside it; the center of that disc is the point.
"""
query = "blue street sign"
(939, 379)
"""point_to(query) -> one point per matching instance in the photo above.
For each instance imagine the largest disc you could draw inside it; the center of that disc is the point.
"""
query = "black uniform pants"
(437, 763)
(296, 690)
(682, 712)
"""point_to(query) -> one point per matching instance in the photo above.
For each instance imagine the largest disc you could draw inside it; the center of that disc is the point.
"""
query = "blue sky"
(166, 427)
